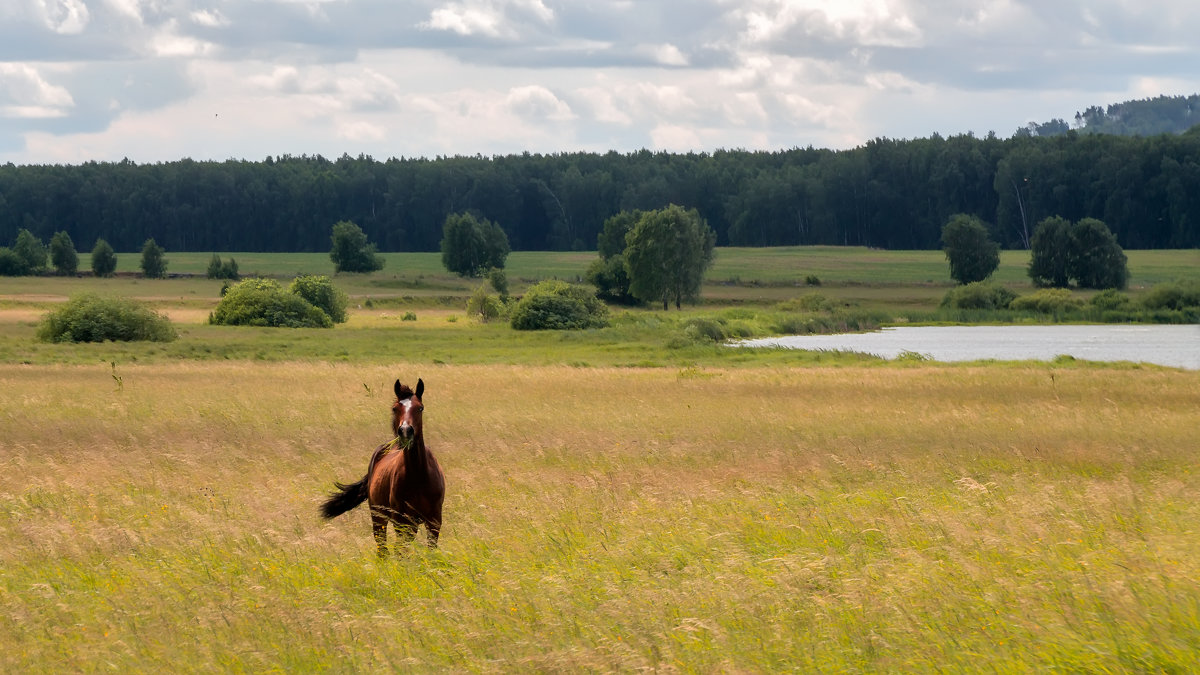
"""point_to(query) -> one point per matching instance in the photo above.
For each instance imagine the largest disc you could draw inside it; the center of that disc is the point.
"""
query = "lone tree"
(63, 255)
(104, 261)
(972, 254)
(351, 251)
(1096, 259)
(1049, 248)
(1085, 251)
(31, 251)
(471, 247)
(154, 265)
(667, 253)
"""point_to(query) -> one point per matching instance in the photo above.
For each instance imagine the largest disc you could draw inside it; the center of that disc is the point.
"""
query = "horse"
(404, 484)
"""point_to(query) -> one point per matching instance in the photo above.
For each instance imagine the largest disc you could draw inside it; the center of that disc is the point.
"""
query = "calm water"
(1177, 346)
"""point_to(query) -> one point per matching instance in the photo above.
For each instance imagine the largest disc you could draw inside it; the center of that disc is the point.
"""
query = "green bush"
(485, 306)
(1047, 301)
(12, 264)
(319, 290)
(1110, 299)
(263, 302)
(557, 305)
(704, 329)
(218, 269)
(91, 318)
(1178, 295)
(978, 295)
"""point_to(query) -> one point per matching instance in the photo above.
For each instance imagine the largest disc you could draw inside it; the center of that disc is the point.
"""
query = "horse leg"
(406, 529)
(433, 529)
(379, 529)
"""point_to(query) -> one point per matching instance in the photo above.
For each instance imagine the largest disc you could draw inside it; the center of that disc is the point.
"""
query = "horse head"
(406, 412)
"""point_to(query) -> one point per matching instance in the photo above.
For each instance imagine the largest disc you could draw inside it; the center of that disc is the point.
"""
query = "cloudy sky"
(158, 80)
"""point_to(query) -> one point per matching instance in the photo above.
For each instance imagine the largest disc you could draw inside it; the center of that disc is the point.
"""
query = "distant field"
(739, 275)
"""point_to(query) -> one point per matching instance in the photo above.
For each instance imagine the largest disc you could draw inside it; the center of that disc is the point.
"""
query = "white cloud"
(65, 17)
(24, 93)
(535, 102)
(209, 18)
(491, 18)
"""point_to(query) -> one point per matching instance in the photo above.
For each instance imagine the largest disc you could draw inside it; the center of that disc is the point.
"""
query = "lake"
(1177, 346)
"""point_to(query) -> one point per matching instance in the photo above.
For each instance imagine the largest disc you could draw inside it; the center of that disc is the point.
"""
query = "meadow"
(617, 499)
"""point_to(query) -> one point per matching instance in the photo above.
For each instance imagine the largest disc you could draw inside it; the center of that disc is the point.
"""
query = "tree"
(351, 251)
(1049, 247)
(62, 254)
(470, 246)
(104, 261)
(31, 251)
(667, 253)
(608, 273)
(154, 265)
(219, 269)
(1095, 259)
(973, 256)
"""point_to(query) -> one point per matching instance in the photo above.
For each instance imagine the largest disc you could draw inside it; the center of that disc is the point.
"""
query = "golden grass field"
(162, 517)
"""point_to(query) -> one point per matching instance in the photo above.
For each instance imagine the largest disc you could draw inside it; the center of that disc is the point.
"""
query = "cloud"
(24, 93)
(534, 102)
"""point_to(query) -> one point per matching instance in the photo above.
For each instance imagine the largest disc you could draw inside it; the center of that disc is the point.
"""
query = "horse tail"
(346, 498)
(349, 496)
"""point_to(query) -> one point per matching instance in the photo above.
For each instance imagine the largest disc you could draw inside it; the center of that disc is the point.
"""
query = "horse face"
(406, 411)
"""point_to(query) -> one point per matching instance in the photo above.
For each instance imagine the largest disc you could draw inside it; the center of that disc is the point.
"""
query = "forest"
(888, 193)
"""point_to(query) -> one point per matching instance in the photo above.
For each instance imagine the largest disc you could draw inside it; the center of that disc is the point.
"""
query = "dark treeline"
(894, 194)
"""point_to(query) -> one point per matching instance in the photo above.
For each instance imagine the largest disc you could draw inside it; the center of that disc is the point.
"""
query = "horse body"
(404, 484)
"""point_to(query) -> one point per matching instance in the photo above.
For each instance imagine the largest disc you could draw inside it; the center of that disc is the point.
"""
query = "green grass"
(908, 519)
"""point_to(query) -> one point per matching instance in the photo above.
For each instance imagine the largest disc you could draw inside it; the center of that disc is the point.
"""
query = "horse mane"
(404, 392)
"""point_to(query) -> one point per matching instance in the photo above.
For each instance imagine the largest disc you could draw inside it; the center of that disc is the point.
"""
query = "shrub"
(320, 291)
(263, 302)
(484, 306)
(1176, 295)
(154, 265)
(104, 261)
(1047, 301)
(499, 281)
(63, 255)
(704, 329)
(1110, 299)
(91, 318)
(218, 269)
(972, 255)
(812, 280)
(978, 295)
(11, 264)
(557, 305)
(31, 250)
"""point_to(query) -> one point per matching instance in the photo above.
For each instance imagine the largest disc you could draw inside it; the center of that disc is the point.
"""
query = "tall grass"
(916, 518)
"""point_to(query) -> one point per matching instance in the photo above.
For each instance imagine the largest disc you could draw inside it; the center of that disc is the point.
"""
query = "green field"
(618, 499)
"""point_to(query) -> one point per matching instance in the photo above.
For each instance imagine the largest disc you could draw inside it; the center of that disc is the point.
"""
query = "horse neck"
(416, 456)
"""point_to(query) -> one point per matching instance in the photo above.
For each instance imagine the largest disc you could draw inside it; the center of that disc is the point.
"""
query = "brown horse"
(404, 484)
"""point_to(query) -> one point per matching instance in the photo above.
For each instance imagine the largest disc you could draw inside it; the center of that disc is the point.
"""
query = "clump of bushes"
(978, 295)
(263, 302)
(484, 306)
(1110, 299)
(320, 291)
(1047, 301)
(1178, 296)
(92, 318)
(222, 269)
(557, 305)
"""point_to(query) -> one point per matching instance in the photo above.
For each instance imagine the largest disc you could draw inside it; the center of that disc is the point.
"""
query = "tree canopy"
(471, 246)
(351, 252)
(666, 254)
(1085, 251)
(973, 256)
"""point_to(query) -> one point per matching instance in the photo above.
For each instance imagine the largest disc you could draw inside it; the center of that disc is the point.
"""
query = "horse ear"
(420, 387)
(397, 389)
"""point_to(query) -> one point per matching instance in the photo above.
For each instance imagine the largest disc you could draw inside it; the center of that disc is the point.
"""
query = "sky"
(161, 80)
